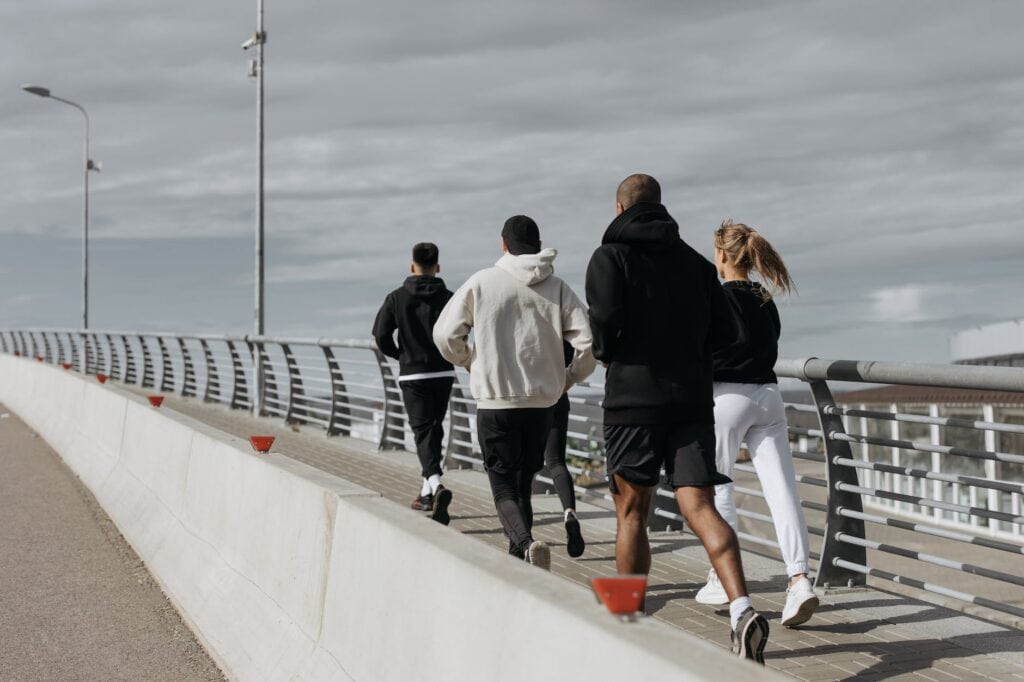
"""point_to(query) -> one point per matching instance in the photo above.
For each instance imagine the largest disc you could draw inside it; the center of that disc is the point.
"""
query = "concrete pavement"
(76, 603)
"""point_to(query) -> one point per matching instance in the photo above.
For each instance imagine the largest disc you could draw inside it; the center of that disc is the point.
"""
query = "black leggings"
(512, 442)
(554, 453)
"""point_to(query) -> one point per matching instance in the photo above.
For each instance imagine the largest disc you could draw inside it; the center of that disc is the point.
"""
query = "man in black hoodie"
(425, 377)
(657, 311)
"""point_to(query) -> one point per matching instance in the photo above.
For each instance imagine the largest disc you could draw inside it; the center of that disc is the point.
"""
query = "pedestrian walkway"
(75, 601)
(863, 633)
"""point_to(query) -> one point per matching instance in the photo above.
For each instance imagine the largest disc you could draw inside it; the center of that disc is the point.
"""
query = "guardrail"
(347, 387)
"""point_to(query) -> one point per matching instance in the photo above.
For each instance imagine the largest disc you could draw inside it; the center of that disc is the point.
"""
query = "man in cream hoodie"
(518, 313)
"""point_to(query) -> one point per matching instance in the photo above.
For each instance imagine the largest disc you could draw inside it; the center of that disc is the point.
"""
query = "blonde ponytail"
(750, 251)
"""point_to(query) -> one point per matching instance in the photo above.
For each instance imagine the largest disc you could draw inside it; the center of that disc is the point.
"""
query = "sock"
(569, 511)
(736, 608)
(425, 488)
(435, 482)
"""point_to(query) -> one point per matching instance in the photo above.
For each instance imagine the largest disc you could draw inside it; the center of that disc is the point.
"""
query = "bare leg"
(698, 508)
(632, 506)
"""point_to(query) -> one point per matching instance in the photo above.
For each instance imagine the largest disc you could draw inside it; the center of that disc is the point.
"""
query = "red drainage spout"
(102, 378)
(622, 595)
(261, 444)
(39, 358)
(155, 400)
(66, 365)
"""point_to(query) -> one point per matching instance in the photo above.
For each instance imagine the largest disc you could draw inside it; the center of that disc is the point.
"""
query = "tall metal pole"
(260, 38)
(88, 166)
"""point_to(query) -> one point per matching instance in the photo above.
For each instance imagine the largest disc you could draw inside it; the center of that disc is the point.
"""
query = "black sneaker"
(515, 550)
(750, 636)
(423, 503)
(442, 498)
(575, 544)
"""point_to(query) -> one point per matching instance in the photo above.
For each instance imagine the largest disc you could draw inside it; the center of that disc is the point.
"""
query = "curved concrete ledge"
(285, 572)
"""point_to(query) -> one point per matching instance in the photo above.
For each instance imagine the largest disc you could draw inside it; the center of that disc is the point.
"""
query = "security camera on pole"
(256, 71)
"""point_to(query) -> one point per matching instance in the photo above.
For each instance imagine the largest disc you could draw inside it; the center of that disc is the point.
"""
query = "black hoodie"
(657, 311)
(750, 359)
(413, 309)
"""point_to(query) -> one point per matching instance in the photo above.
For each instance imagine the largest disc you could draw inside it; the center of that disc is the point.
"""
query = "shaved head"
(636, 189)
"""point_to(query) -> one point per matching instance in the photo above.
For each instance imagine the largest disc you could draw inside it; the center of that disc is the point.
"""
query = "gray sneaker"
(750, 636)
(539, 555)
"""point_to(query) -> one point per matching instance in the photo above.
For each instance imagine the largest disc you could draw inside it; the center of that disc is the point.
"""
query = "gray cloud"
(878, 145)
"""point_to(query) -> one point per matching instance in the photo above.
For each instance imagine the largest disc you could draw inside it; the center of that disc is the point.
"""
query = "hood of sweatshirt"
(422, 286)
(529, 268)
(643, 225)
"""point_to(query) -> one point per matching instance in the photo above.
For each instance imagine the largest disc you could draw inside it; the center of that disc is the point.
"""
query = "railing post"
(829, 575)
(166, 369)
(115, 360)
(268, 385)
(3, 342)
(239, 392)
(341, 416)
(35, 348)
(295, 388)
(458, 429)
(60, 348)
(189, 371)
(129, 361)
(148, 377)
(47, 354)
(76, 360)
(212, 378)
(88, 354)
(394, 425)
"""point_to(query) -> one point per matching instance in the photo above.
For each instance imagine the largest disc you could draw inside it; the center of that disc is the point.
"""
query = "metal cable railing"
(862, 469)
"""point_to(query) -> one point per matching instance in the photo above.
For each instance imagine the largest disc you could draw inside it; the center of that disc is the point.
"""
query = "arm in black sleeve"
(724, 330)
(606, 297)
(384, 329)
(774, 311)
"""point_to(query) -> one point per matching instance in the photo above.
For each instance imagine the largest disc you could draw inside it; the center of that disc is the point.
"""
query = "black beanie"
(521, 235)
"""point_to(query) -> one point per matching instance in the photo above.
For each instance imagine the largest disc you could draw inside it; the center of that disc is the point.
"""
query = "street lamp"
(256, 71)
(89, 166)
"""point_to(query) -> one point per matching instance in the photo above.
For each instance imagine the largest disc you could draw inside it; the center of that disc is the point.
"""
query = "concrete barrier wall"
(285, 572)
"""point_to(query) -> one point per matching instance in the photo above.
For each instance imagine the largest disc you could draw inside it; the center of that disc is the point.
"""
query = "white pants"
(754, 414)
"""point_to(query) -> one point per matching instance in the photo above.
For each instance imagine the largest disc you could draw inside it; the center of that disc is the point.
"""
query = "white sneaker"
(800, 603)
(539, 555)
(713, 592)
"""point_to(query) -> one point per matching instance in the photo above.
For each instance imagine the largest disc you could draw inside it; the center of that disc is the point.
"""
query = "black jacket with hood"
(657, 311)
(412, 309)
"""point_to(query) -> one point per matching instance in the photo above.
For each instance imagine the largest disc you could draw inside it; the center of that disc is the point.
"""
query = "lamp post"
(256, 71)
(89, 166)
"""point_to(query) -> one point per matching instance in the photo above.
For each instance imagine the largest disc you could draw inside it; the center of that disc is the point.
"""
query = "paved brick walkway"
(862, 634)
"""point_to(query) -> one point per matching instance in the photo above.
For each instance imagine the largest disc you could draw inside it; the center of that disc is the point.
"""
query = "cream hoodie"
(518, 312)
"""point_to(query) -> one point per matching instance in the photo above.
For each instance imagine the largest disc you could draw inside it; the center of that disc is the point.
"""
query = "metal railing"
(347, 387)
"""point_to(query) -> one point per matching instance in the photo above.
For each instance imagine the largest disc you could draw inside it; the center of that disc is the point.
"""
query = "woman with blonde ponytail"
(749, 407)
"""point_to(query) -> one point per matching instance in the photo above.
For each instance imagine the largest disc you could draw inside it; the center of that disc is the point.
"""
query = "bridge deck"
(863, 633)
(76, 603)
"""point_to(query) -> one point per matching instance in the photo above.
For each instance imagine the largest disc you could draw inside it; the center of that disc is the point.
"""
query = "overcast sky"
(878, 145)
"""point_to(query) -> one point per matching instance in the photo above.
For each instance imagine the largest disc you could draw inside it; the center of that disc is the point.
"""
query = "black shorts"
(637, 453)
(512, 441)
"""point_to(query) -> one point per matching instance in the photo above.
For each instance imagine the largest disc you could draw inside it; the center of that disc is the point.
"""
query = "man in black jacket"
(425, 377)
(657, 311)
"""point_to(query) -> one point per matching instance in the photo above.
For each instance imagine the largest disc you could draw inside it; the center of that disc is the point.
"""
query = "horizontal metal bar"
(990, 484)
(956, 422)
(931, 559)
(933, 531)
(927, 447)
(904, 373)
(930, 503)
(929, 587)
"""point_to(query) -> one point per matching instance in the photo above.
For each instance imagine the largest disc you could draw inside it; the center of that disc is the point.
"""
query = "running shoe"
(515, 550)
(750, 636)
(442, 498)
(539, 555)
(800, 603)
(574, 537)
(423, 503)
(712, 593)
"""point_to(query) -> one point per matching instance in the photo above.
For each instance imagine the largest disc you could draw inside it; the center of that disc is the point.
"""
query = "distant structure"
(1000, 344)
